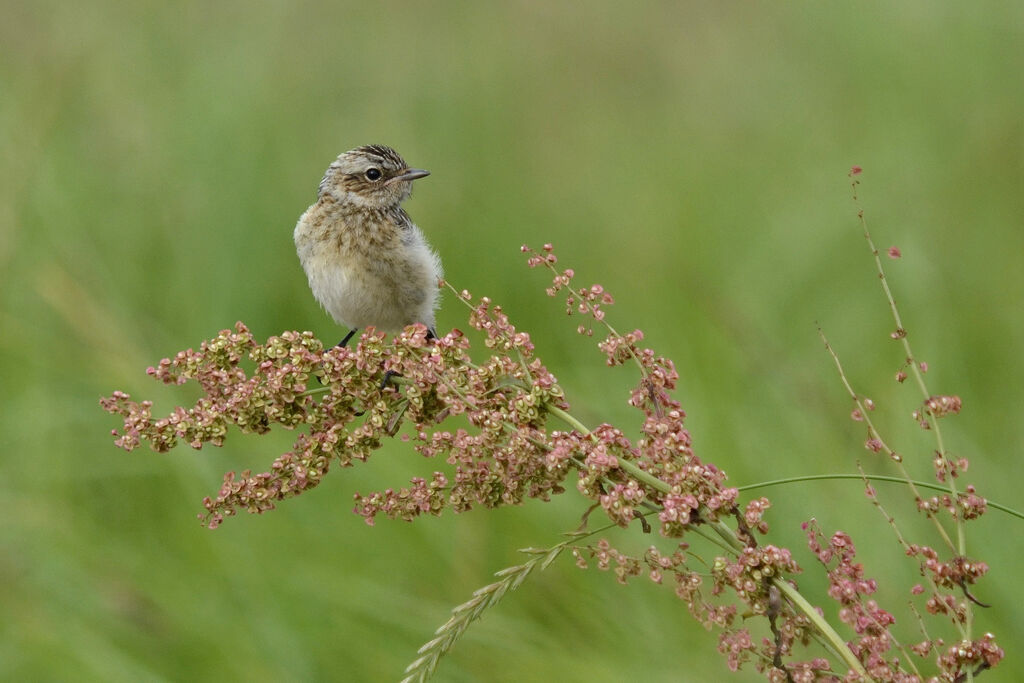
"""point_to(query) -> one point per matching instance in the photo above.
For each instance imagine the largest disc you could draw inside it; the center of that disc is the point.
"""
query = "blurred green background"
(691, 157)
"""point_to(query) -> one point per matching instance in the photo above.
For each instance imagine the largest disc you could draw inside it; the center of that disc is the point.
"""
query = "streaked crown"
(370, 176)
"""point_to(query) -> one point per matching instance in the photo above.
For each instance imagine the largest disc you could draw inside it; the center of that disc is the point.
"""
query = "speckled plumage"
(367, 262)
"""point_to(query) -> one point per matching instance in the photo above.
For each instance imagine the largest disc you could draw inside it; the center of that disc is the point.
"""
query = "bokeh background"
(691, 157)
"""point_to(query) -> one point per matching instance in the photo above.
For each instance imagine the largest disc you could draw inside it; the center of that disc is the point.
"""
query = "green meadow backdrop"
(691, 157)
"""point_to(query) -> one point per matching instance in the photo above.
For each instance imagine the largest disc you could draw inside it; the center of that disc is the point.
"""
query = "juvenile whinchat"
(367, 262)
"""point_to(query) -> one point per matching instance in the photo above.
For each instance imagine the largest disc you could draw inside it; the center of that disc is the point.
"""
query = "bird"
(366, 261)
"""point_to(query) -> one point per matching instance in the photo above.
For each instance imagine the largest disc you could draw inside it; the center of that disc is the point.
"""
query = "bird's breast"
(368, 269)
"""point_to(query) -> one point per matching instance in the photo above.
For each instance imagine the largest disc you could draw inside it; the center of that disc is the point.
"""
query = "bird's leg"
(340, 344)
(431, 335)
(388, 374)
(344, 342)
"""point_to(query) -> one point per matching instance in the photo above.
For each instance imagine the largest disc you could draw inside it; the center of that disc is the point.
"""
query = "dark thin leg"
(388, 374)
(341, 344)
(431, 335)
(348, 336)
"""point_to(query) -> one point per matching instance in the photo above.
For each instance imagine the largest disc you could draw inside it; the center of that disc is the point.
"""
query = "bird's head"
(373, 177)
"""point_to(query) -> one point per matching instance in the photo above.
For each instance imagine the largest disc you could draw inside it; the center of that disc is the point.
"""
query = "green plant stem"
(915, 369)
(630, 468)
(873, 431)
(582, 299)
(872, 477)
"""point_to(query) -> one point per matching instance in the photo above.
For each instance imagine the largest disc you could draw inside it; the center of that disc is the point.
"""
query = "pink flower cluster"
(976, 655)
(586, 300)
(849, 587)
(406, 503)
(936, 407)
(253, 386)
(958, 572)
(746, 574)
(940, 406)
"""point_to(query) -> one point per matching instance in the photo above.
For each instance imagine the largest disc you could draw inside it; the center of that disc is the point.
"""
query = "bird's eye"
(373, 174)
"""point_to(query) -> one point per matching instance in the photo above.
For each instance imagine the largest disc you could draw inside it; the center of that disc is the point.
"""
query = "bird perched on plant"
(367, 262)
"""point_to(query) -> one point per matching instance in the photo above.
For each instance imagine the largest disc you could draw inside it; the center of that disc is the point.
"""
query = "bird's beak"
(408, 174)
